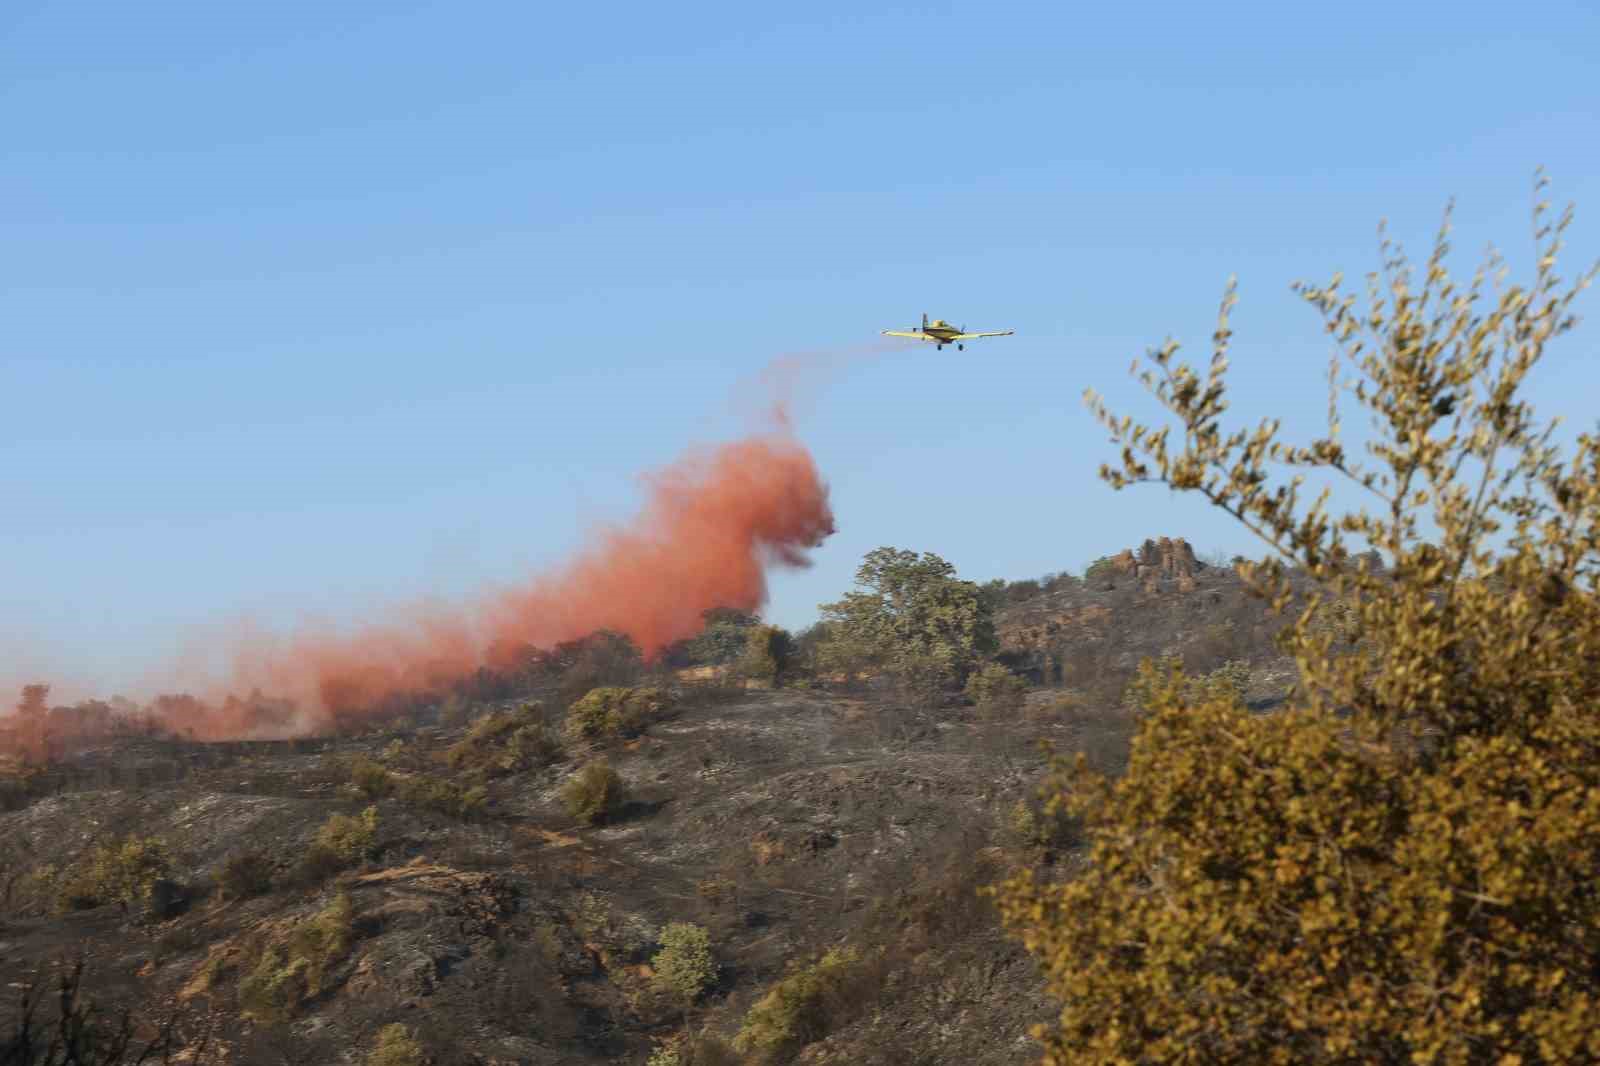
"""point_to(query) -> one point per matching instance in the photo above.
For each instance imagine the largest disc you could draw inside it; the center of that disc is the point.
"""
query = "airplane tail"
(924, 321)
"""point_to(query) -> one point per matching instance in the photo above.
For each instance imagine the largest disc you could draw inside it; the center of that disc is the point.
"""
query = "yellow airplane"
(942, 333)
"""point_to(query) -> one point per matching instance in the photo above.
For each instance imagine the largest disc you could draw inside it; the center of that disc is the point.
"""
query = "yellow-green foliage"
(347, 838)
(996, 690)
(767, 654)
(1040, 826)
(286, 975)
(1227, 682)
(796, 1009)
(612, 711)
(594, 792)
(371, 778)
(123, 871)
(446, 797)
(396, 1047)
(1399, 868)
(684, 966)
(506, 743)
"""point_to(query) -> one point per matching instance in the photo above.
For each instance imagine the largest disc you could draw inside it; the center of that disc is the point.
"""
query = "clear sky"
(320, 307)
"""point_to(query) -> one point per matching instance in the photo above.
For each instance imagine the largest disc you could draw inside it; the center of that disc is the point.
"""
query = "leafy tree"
(768, 654)
(1400, 867)
(912, 618)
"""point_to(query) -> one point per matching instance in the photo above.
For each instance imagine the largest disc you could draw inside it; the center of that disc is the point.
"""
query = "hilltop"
(471, 906)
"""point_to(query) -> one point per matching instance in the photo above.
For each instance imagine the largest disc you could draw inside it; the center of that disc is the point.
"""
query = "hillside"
(499, 929)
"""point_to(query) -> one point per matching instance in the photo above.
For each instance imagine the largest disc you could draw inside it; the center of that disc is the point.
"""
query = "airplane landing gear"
(961, 347)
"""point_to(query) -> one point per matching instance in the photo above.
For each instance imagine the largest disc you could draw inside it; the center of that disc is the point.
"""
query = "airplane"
(942, 333)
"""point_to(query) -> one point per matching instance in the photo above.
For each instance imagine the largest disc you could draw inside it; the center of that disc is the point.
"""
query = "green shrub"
(349, 838)
(506, 743)
(1038, 825)
(124, 872)
(371, 778)
(799, 1009)
(684, 966)
(286, 975)
(767, 656)
(396, 1047)
(446, 797)
(244, 875)
(594, 792)
(1227, 682)
(341, 841)
(996, 690)
(612, 711)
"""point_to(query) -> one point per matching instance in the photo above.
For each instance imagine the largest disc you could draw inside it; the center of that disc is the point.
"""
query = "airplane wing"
(992, 333)
(913, 334)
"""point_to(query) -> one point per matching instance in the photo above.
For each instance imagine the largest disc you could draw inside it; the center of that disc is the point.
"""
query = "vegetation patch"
(506, 743)
(125, 871)
(595, 793)
(287, 974)
(613, 711)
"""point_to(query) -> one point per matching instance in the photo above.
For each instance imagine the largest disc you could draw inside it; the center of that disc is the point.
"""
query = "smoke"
(712, 525)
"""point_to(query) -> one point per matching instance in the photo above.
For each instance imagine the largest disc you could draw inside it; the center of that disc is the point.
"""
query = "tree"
(1400, 867)
(912, 618)
(768, 654)
(35, 701)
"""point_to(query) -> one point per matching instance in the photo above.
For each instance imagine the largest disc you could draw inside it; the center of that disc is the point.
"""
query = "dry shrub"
(245, 875)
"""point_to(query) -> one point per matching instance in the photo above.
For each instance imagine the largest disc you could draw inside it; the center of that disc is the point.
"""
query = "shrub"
(124, 872)
(996, 690)
(1227, 682)
(396, 1047)
(341, 841)
(445, 797)
(286, 975)
(1398, 867)
(799, 1009)
(350, 839)
(371, 778)
(244, 875)
(767, 656)
(684, 966)
(612, 711)
(594, 792)
(506, 743)
(1041, 826)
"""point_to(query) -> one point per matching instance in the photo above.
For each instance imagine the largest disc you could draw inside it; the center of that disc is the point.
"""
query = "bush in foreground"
(1399, 867)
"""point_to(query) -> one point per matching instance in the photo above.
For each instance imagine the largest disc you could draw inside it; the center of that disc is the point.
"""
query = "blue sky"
(322, 307)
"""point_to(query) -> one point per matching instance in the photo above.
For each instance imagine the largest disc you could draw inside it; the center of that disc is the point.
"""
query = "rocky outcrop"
(1168, 559)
